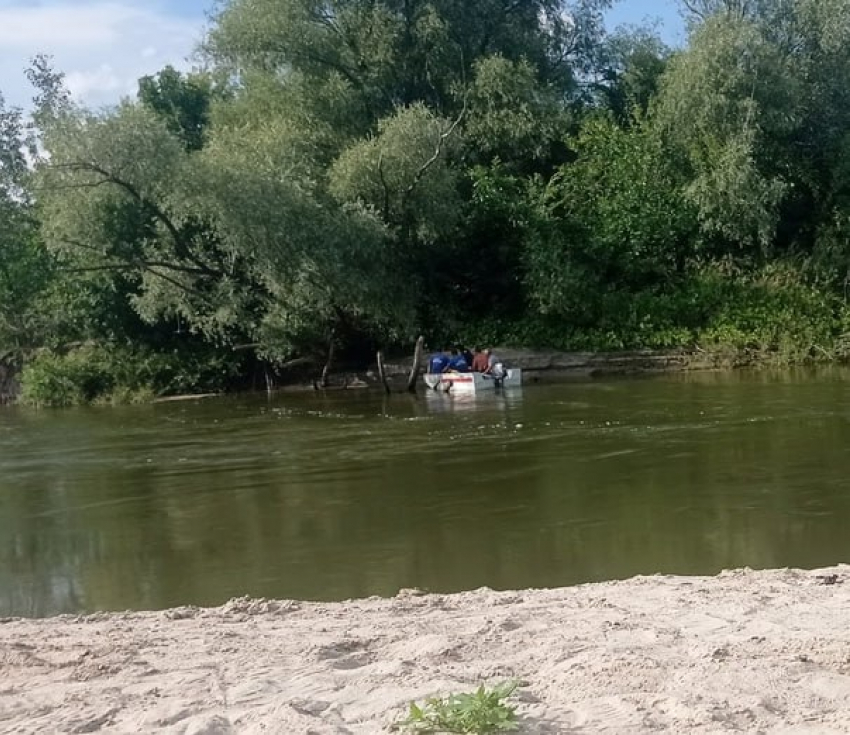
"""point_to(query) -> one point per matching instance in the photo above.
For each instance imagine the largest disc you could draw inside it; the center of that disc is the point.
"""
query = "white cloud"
(101, 81)
(103, 46)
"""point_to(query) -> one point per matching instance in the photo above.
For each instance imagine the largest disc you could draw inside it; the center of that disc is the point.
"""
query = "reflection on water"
(350, 494)
(439, 402)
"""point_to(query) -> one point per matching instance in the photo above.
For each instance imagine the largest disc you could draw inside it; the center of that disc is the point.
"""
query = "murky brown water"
(353, 494)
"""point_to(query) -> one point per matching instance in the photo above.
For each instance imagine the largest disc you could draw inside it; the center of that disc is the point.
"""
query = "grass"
(483, 711)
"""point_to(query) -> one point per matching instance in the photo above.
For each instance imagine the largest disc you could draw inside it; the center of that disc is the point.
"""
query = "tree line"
(347, 174)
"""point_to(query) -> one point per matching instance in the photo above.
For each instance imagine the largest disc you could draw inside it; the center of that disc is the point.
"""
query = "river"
(352, 493)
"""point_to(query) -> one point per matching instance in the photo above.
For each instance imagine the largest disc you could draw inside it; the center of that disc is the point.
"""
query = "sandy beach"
(746, 651)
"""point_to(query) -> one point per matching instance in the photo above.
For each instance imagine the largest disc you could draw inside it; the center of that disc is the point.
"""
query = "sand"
(745, 651)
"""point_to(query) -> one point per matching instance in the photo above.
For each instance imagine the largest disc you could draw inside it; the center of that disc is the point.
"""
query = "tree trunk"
(417, 362)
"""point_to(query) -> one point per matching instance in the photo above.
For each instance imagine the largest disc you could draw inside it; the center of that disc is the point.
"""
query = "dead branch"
(441, 140)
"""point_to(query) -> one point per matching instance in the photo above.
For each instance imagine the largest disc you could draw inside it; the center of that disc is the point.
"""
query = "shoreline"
(542, 366)
(742, 651)
(539, 366)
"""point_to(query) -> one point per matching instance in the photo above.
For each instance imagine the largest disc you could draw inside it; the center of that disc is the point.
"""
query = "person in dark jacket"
(467, 355)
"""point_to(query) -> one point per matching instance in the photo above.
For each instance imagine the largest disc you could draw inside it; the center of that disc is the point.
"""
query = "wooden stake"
(417, 362)
(382, 373)
(327, 369)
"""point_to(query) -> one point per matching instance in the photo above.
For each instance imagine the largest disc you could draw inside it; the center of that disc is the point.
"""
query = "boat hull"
(472, 382)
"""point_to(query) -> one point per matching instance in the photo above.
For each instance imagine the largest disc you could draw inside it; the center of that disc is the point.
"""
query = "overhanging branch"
(183, 248)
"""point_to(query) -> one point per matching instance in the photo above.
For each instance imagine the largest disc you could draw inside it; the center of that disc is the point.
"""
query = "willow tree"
(757, 107)
(395, 53)
(220, 230)
(468, 84)
(319, 181)
(724, 103)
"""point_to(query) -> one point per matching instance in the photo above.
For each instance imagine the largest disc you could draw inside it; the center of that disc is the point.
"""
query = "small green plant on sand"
(483, 711)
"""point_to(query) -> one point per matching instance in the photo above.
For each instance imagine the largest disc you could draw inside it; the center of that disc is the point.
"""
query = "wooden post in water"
(417, 361)
(382, 373)
(327, 369)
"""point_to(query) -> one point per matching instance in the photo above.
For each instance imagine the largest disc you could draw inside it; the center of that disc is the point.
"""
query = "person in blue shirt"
(438, 362)
(458, 362)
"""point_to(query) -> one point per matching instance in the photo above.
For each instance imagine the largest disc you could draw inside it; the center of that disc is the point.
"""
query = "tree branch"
(423, 169)
(183, 248)
(175, 282)
(130, 263)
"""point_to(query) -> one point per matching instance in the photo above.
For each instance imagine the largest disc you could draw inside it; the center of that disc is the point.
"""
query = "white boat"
(472, 382)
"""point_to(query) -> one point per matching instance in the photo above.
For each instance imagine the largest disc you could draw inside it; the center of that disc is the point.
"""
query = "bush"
(118, 374)
(772, 311)
(63, 380)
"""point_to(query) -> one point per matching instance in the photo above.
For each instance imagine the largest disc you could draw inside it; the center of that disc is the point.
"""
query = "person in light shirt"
(495, 366)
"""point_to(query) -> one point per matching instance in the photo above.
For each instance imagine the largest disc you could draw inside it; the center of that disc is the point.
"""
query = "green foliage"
(26, 274)
(52, 99)
(26, 269)
(16, 142)
(396, 54)
(114, 202)
(637, 63)
(182, 101)
(358, 172)
(512, 115)
(755, 108)
(483, 711)
(63, 380)
(613, 219)
(774, 314)
(117, 374)
(721, 102)
(402, 174)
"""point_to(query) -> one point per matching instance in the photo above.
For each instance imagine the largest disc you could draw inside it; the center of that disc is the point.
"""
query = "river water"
(351, 494)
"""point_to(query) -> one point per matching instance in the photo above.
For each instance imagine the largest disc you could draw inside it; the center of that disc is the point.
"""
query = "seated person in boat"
(479, 361)
(467, 355)
(438, 362)
(495, 366)
(457, 363)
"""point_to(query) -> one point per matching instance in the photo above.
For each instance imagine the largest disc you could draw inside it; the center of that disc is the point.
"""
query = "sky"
(104, 46)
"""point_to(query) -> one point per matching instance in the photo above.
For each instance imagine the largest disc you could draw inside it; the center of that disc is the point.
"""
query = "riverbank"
(550, 366)
(539, 366)
(744, 651)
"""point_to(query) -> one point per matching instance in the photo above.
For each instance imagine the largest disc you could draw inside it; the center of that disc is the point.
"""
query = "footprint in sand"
(346, 654)
(209, 725)
(608, 714)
